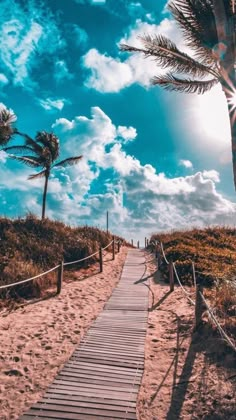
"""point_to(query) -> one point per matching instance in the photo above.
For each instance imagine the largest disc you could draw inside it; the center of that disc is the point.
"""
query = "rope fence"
(60, 267)
(30, 279)
(200, 302)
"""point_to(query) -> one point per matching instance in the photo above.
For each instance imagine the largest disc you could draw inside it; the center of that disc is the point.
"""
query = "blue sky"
(155, 160)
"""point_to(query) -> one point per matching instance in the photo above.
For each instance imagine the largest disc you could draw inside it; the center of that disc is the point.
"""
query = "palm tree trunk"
(232, 117)
(45, 195)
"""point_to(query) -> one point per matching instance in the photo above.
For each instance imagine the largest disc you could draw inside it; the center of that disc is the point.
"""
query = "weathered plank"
(101, 379)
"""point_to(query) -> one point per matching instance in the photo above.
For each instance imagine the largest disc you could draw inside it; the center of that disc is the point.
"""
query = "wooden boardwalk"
(101, 380)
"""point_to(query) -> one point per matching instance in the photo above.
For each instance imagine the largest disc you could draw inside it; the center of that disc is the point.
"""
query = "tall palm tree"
(7, 118)
(208, 28)
(42, 153)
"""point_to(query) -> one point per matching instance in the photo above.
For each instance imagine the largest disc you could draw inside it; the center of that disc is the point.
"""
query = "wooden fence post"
(118, 245)
(156, 251)
(171, 276)
(138, 244)
(199, 307)
(100, 259)
(60, 277)
(113, 248)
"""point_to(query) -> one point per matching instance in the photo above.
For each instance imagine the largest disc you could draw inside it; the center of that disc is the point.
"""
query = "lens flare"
(231, 98)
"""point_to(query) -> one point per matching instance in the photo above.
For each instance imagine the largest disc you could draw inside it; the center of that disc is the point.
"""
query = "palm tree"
(42, 153)
(208, 28)
(7, 118)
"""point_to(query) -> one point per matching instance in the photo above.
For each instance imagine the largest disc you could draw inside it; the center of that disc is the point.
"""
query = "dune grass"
(31, 246)
(213, 251)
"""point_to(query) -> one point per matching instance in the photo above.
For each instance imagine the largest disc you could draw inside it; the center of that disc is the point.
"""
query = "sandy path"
(36, 340)
(185, 373)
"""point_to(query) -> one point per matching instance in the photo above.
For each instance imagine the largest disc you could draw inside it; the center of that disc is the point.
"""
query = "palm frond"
(69, 161)
(32, 143)
(197, 22)
(31, 161)
(18, 149)
(38, 175)
(49, 141)
(174, 83)
(6, 117)
(6, 133)
(167, 55)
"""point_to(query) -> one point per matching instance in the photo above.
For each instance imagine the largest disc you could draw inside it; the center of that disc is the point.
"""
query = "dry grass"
(31, 246)
(213, 251)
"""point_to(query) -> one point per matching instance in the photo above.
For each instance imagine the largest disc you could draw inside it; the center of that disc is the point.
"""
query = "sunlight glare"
(232, 100)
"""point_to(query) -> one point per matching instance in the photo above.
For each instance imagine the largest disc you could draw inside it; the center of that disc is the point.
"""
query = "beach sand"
(186, 374)
(37, 339)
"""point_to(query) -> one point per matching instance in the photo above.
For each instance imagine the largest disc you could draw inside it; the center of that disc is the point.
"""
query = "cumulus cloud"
(186, 163)
(213, 175)
(147, 200)
(108, 74)
(139, 199)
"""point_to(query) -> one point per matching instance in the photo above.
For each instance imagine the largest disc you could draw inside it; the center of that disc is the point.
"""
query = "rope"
(185, 291)
(82, 259)
(31, 278)
(222, 332)
(107, 245)
(163, 253)
(52, 269)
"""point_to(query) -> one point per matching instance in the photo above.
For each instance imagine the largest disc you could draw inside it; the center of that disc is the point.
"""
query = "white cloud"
(126, 133)
(139, 199)
(24, 38)
(50, 104)
(213, 175)
(61, 71)
(147, 201)
(3, 79)
(107, 74)
(186, 163)
(3, 156)
(110, 74)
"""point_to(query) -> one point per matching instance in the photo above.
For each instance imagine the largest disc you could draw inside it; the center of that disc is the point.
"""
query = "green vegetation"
(30, 246)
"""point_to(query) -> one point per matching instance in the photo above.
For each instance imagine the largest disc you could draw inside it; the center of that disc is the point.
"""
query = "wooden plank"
(87, 396)
(103, 367)
(83, 410)
(101, 373)
(83, 385)
(83, 402)
(93, 376)
(115, 395)
(91, 380)
(49, 403)
(101, 379)
(69, 416)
